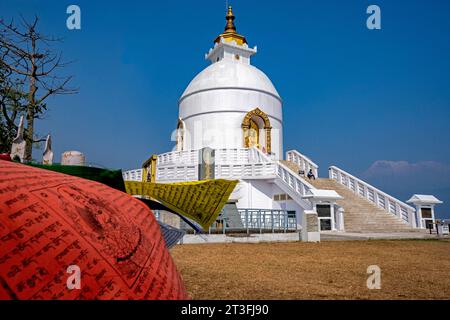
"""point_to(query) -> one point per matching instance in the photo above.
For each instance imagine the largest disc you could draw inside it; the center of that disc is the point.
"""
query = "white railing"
(374, 195)
(226, 156)
(235, 163)
(189, 157)
(266, 219)
(245, 171)
(132, 175)
(240, 156)
(293, 184)
(232, 163)
(176, 173)
(303, 162)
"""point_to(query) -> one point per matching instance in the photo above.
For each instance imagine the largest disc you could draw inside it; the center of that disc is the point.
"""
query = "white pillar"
(341, 219)
(333, 221)
(310, 226)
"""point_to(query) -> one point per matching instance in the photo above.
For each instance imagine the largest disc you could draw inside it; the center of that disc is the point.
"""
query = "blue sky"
(376, 103)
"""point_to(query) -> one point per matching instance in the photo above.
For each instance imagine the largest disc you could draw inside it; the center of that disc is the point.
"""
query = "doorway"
(325, 218)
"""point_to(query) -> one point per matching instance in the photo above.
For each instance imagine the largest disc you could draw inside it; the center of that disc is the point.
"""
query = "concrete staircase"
(233, 218)
(294, 167)
(360, 215)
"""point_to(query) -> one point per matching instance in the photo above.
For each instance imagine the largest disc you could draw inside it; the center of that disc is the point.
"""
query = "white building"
(233, 108)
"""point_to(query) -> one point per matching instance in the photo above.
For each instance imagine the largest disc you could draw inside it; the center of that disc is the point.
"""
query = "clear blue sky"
(352, 96)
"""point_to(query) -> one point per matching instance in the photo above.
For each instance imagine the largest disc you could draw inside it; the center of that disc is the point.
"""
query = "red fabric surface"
(5, 156)
(49, 221)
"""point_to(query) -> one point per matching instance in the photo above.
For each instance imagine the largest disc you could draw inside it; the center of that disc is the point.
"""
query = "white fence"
(303, 162)
(222, 156)
(237, 163)
(178, 157)
(264, 219)
(293, 184)
(252, 221)
(177, 173)
(245, 171)
(132, 175)
(230, 163)
(243, 164)
(240, 156)
(374, 195)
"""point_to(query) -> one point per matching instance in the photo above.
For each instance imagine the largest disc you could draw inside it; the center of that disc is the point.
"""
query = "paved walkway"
(343, 236)
(242, 238)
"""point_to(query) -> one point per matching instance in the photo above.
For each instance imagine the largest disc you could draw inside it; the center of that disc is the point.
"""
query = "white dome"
(231, 74)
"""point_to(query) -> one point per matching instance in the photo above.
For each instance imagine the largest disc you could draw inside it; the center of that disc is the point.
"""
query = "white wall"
(258, 194)
(253, 194)
(213, 118)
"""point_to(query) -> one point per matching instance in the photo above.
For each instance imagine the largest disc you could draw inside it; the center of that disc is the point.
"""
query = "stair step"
(360, 215)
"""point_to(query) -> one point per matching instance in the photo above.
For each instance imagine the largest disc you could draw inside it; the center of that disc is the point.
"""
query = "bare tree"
(11, 107)
(32, 68)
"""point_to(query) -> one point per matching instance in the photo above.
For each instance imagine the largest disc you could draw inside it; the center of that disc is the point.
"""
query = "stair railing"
(303, 162)
(377, 197)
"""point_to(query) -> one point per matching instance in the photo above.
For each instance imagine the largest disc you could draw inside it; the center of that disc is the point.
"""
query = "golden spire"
(230, 33)
(230, 28)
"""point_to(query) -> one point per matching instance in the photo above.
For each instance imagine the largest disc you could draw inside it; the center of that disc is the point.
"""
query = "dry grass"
(327, 270)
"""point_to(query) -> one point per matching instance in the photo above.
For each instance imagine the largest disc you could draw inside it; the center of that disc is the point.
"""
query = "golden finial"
(230, 21)
(230, 33)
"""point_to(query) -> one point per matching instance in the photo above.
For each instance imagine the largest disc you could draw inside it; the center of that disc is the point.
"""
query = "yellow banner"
(200, 201)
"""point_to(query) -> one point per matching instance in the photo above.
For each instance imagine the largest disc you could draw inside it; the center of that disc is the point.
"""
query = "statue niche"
(251, 130)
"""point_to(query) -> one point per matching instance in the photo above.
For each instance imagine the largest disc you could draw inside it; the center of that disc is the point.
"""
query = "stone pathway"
(346, 236)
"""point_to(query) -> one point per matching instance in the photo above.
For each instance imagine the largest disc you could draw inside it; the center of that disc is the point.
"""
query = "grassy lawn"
(327, 270)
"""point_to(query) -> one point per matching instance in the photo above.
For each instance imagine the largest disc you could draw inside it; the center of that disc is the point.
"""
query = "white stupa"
(229, 97)
(233, 108)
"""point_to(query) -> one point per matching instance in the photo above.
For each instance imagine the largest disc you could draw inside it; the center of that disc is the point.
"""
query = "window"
(426, 213)
(291, 214)
(281, 197)
(324, 214)
(323, 210)
(325, 224)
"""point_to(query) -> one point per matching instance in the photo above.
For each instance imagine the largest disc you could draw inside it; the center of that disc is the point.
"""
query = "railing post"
(271, 218)
(398, 210)
(412, 218)
(246, 220)
(224, 225)
(259, 221)
(375, 198)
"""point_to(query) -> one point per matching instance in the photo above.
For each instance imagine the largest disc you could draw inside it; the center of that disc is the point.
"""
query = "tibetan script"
(50, 221)
(200, 201)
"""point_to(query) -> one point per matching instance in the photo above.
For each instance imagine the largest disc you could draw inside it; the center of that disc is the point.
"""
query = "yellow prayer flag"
(200, 201)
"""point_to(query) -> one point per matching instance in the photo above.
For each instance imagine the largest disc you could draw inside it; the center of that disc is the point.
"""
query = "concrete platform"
(347, 236)
(252, 238)
(296, 236)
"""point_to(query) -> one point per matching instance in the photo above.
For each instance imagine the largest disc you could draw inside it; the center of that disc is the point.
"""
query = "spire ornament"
(230, 33)
(230, 27)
